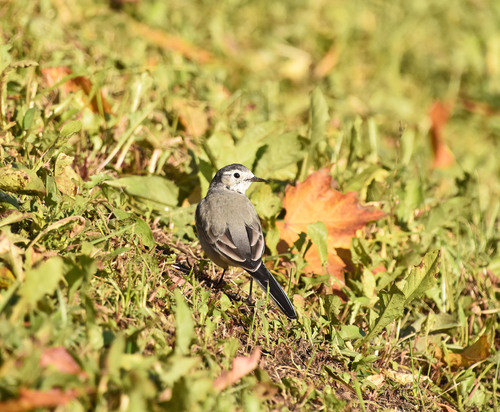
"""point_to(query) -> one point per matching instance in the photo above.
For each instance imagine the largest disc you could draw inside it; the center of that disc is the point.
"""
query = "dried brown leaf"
(170, 42)
(193, 117)
(242, 365)
(59, 358)
(31, 399)
(54, 75)
(328, 62)
(439, 115)
(478, 351)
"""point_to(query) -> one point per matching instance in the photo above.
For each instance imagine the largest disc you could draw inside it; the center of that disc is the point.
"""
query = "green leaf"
(225, 151)
(390, 311)
(205, 175)
(266, 203)
(123, 215)
(153, 188)
(115, 356)
(79, 271)
(28, 117)
(361, 180)
(273, 237)
(41, 280)
(178, 366)
(422, 277)
(319, 117)
(250, 402)
(257, 133)
(350, 332)
(318, 234)
(144, 232)
(71, 128)
(407, 143)
(225, 302)
(412, 197)
(278, 163)
(332, 305)
(96, 180)
(316, 280)
(184, 325)
(17, 178)
(182, 218)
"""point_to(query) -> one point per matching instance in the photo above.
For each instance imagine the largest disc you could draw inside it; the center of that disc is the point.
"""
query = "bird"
(230, 232)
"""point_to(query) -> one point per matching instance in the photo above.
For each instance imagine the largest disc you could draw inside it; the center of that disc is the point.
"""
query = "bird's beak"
(258, 179)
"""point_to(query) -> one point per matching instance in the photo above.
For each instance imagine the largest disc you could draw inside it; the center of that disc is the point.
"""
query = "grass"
(98, 256)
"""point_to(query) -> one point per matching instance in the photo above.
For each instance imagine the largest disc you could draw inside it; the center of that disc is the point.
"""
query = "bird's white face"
(238, 179)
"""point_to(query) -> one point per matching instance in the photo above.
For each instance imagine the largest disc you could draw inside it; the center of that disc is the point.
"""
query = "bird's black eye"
(237, 175)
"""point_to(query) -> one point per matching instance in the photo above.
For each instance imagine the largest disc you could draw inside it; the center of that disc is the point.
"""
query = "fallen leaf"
(377, 380)
(193, 117)
(328, 62)
(242, 365)
(334, 266)
(296, 62)
(177, 280)
(86, 85)
(445, 408)
(59, 358)
(439, 115)
(32, 399)
(299, 301)
(11, 255)
(168, 41)
(405, 378)
(55, 75)
(478, 351)
(482, 108)
(66, 177)
(6, 277)
(314, 200)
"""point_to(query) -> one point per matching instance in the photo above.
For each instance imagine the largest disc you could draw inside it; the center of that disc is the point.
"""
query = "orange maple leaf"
(314, 200)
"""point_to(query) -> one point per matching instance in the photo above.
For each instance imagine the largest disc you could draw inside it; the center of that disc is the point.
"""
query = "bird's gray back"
(232, 215)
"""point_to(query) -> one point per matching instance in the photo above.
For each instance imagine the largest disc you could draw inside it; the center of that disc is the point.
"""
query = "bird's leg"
(221, 277)
(250, 291)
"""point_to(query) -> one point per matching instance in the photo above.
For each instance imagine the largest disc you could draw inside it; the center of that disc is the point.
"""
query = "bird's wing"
(234, 229)
(243, 245)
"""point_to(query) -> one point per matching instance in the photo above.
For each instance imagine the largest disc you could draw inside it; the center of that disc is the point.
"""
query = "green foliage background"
(97, 248)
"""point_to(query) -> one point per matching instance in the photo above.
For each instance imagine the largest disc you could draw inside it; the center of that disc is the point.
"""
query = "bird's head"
(235, 177)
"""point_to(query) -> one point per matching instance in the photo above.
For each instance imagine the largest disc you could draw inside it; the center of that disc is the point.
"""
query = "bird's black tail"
(267, 281)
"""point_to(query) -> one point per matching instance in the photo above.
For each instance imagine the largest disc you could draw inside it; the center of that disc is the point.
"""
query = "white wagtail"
(230, 233)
